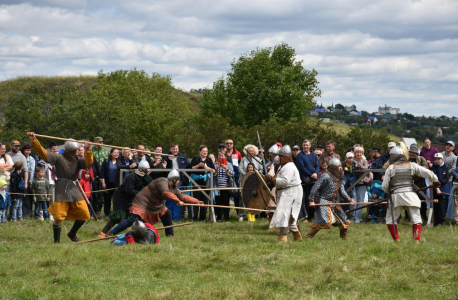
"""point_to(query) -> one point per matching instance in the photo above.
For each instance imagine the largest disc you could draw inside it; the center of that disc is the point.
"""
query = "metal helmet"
(143, 165)
(274, 149)
(397, 154)
(285, 151)
(173, 175)
(71, 145)
(277, 160)
(334, 162)
(139, 225)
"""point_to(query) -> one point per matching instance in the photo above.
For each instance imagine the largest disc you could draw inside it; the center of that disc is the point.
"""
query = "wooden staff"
(369, 203)
(87, 201)
(115, 236)
(222, 206)
(97, 144)
(211, 189)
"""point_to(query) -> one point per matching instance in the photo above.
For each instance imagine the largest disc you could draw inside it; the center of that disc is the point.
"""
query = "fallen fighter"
(148, 205)
(141, 233)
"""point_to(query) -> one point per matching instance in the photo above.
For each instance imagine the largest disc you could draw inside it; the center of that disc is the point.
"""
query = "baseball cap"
(98, 139)
(376, 149)
(279, 144)
(451, 143)
(221, 146)
(438, 155)
(391, 144)
(15, 143)
(296, 147)
(320, 146)
(349, 154)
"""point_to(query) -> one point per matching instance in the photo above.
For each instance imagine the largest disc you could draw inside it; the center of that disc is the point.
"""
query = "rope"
(52, 194)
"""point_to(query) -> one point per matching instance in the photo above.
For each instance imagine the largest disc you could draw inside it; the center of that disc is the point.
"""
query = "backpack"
(21, 185)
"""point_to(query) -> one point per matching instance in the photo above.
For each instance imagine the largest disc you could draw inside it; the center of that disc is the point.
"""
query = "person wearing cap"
(420, 182)
(222, 147)
(69, 201)
(441, 170)
(319, 147)
(398, 184)
(449, 157)
(296, 151)
(376, 163)
(308, 166)
(125, 194)
(148, 204)
(289, 196)
(17, 155)
(428, 152)
(386, 157)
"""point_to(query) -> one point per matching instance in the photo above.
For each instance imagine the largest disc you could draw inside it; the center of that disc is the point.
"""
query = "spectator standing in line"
(27, 205)
(17, 188)
(50, 174)
(386, 157)
(40, 187)
(4, 200)
(359, 163)
(100, 154)
(326, 156)
(452, 210)
(296, 150)
(108, 178)
(16, 155)
(349, 176)
(202, 161)
(441, 170)
(6, 164)
(224, 170)
(308, 166)
(178, 160)
(377, 163)
(236, 159)
(251, 155)
(428, 152)
(449, 157)
(222, 147)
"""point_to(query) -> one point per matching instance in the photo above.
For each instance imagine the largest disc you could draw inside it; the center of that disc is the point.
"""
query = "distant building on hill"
(388, 110)
(350, 108)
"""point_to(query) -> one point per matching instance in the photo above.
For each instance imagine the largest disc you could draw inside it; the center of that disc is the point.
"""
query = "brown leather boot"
(312, 233)
(283, 238)
(343, 233)
(297, 236)
(270, 218)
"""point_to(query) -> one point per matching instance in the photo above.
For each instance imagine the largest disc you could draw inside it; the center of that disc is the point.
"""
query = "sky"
(369, 53)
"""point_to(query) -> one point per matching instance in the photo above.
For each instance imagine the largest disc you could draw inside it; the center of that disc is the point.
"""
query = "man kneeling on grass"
(148, 204)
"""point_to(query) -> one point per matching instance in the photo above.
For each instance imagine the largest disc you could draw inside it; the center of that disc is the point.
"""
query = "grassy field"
(235, 260)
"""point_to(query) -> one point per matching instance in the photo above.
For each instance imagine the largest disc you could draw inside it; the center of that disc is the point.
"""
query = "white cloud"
(399, 53)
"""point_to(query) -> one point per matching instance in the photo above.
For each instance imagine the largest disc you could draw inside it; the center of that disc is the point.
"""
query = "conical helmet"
(285, 151)
(173, 175)
(334, 162)
(139, 225)
(277, 160)
(274, 149)
(71, 145)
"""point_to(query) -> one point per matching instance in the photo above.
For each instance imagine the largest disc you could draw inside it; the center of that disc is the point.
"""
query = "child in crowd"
(373, 211)
(40, 187)
(324, 168)
(250, 167)
(4, 200)
(349, 176)
(17, 188)
(86, 184)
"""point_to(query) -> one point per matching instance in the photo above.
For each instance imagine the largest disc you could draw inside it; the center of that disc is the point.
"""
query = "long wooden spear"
(211, 189)
(223, 206)
(97, 144)
(368, 203)
(115, 236)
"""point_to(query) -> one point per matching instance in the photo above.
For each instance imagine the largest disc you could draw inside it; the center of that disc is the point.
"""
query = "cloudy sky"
(368, 53)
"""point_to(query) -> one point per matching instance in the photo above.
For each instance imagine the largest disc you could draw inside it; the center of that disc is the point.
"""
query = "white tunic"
(407, 198)
(289, 196)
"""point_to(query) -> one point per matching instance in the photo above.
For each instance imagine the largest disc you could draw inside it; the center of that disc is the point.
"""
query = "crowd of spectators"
(30, 181)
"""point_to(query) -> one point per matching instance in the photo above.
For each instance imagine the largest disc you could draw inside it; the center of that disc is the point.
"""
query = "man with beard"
(325, 191)
(289, 196)
(148, 205)
(398, 183)
(69, 203)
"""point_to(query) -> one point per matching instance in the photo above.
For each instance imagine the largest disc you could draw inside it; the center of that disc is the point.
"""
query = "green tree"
(263, 84)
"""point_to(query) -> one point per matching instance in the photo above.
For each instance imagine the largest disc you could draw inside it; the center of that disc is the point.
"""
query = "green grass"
(235, 260)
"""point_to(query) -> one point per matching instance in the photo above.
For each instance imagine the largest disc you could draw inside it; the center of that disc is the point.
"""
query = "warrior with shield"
(69, 202)
(325, 191)
(148, 205)
(398, 183)
(289, 196)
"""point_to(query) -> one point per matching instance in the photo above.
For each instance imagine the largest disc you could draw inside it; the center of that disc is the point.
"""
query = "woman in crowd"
(108, 178)
(6, 164)
(251, 155)
(224, 171)
(359, 163)
(202, 161)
